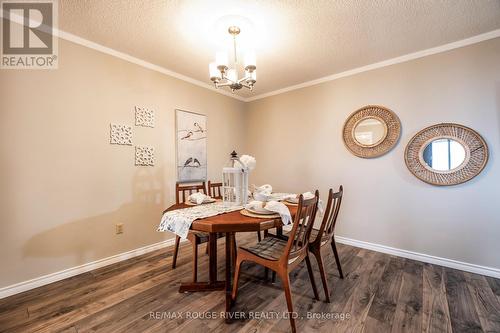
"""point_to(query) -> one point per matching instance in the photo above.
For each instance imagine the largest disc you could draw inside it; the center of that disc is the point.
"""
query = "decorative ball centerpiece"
(235, 179)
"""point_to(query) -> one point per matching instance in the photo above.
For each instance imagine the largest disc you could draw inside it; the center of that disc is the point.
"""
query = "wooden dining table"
(229, 224)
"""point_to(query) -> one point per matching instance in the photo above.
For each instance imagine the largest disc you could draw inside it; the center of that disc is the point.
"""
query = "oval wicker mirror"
(371, 131)
(446, 154)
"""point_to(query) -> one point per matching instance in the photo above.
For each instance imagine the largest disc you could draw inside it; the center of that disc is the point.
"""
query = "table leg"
(234, 250)
(212, 260)
(229, 249)
(212, 283)
(279, 231)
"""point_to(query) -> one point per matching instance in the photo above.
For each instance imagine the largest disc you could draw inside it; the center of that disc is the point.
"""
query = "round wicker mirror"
(446, 154)
(371, 131)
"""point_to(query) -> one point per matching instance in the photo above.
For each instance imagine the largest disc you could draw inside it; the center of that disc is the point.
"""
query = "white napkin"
(273, 206)
(310, 195)
(280, 208)
(198, 198)
(264, 189)
(320, 207)
(307, 195)
(255, 205)
(261, 196)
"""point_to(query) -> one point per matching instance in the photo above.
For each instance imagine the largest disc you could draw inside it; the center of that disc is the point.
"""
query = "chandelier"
(224, 76)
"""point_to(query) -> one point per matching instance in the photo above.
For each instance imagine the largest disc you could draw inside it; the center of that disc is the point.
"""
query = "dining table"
(228, 224)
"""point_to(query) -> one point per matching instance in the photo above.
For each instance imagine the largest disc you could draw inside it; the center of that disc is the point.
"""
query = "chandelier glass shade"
(222, 75)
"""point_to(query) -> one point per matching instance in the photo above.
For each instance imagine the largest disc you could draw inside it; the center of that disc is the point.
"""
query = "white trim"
(464, 266)
(408, 57)
(412, 56)
(127, 57)
(64, 274)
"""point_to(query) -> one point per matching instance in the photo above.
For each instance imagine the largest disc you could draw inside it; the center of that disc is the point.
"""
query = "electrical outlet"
(119, 228)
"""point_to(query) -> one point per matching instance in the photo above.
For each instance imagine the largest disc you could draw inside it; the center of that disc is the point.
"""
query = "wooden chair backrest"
(331, 214)
(215, 190)
(298, 239)
(184, 190)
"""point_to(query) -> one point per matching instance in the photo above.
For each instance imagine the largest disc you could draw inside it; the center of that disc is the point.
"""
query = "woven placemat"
(189, 203)
(289, 203)
(259, 216)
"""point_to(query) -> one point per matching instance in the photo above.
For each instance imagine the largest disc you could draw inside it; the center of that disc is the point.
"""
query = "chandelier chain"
(234, 49)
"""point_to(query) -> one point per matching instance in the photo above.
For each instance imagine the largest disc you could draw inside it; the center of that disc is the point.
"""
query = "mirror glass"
(444, 154)
(370, 131)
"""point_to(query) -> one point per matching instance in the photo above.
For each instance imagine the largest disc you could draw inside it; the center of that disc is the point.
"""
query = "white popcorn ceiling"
(295, 41)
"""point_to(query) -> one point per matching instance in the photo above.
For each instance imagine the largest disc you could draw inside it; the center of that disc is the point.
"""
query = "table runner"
(179, 221)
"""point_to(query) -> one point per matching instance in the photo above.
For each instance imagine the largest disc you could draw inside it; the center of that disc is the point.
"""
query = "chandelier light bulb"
(252, 76)
(221, 60)
(215, 74)
(250, 61)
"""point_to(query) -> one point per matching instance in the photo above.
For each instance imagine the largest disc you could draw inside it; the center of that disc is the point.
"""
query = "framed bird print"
(191, 146)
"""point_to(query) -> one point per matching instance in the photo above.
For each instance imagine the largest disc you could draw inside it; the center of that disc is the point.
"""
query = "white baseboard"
(57, 276)
(464, 266)
(64, 274)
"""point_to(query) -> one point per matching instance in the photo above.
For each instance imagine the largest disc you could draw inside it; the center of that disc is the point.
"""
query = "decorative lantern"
(235, 182)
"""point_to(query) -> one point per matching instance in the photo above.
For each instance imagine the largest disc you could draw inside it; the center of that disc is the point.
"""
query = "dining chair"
(182, 193)
(215, 190)
(282, 256)
(325, 234)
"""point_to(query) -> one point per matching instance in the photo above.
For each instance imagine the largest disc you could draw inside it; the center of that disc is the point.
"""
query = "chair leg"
(273, 278)
(195, 261)
(322, 272)
(288, 294)
(266, 274)
(236, 279)
(176, 250)
(207, 249)
(259, 238)
(311, 277)
(337, 260)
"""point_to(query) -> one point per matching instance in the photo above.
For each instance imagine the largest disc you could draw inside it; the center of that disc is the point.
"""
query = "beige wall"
(63, 186)
(296, 138)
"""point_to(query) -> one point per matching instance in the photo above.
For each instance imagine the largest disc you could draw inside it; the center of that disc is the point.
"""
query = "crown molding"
(408, 57)
(121, 55)
(393, 61)
(127, 57)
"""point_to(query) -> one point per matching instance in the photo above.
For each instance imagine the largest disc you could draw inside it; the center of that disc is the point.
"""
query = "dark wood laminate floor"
(380, 293)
